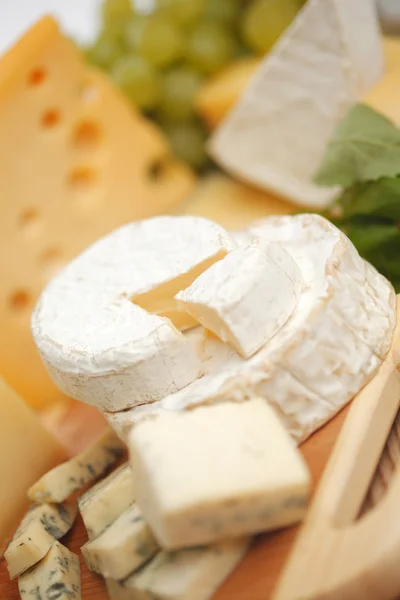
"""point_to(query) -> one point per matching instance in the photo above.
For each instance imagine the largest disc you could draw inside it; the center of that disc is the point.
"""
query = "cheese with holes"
(27, 451)
(332, 345)
(276, 135)
(56, 577)
(103, 503)
(225, 471)
(71, 476)
(193, 574)
(123, 547)
(41, 526)
(98, 344)
(245, 298)
(77, 160)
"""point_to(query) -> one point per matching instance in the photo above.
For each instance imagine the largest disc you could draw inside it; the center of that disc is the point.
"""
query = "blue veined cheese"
(246, 297)
(92, 324)
(276, 135)
(123, 547)
(192, 574)
(332, 345)
(107, 500)
(41, 526)
(71, 476)
(56, 577)
(217, 472)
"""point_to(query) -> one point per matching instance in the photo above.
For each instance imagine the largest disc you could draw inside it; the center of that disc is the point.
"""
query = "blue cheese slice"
(225, 471)
(56, 577)
(121, 548)
(71, 476)
(107, 500)
(192, 574)
(41, 526)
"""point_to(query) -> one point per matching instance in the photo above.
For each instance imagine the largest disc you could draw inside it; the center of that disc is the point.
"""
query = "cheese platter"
(150, 320)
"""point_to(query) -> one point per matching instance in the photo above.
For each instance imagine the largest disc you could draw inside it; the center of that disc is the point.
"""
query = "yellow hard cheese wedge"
(76, 161)
(27, 451)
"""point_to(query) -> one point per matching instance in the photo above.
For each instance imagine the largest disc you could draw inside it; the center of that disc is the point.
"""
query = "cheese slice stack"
(330, 347)
(102, 348)
(277, 133)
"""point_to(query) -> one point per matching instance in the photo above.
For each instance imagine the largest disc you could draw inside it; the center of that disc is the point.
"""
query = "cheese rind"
(27, 451)
(247, 478)
(193, 574)
(276, 135)
(104, 502)
(71, 476)
(245, 298)
(334, 342)
(56, 577)
(39, 529)
(123, 547)
(98, 345)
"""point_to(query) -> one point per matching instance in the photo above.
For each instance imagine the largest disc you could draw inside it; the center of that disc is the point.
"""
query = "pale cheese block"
(123, 547)
(107, 500)
(65, 479)
(76, 161)
(41, 526)
(99, 346)
(56, 577)
(27, 451)
(276, 135)
(245, 298)
(334, 342)
(226, 471)
(193, 574)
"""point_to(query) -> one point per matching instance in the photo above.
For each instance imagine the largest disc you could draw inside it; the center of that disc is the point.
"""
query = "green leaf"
(364, 147)
(379, 198)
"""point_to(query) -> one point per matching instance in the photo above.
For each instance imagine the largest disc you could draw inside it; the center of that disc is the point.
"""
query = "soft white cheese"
(225, 471)
(246, 297)
(276, 135)
(193, 574)
(330, 347)
(103, 349)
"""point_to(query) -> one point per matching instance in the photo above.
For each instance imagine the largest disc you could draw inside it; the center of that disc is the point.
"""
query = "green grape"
(133, 31)
(116, 10)
(138, 79)
(161, 41)
(178, 89)
(105, 51)
(265, 20)
(184, 12)
(225, 12)
(210, 46)
(187, 140)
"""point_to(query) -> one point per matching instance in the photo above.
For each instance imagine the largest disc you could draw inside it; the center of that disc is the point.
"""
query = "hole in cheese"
(37, 76)
(50, 118)
(160, 300)
(51, 261)
(19, 300)
(87, 135)
(29, 220)
(82, 178)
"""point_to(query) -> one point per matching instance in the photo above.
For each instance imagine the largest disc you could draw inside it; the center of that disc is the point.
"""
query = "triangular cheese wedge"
(276, 135)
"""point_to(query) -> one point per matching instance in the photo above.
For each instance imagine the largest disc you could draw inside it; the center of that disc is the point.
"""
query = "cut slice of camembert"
(101, 347)
(277, 133)
(245, 298)
(330, 347)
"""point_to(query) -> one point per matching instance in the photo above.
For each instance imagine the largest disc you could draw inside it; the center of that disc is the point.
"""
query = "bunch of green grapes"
(161, 58)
